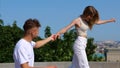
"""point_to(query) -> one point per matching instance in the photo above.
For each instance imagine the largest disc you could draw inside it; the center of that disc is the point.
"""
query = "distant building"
(113, 55)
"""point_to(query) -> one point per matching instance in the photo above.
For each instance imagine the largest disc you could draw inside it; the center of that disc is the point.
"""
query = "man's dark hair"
(31, 23)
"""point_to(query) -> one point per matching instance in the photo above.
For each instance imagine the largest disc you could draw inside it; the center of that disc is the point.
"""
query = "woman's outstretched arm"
(105, 21)
(65, 29)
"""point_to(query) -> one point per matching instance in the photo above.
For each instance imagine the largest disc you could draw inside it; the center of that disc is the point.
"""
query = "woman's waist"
(82, 38)
(82, 34)
(81, 41)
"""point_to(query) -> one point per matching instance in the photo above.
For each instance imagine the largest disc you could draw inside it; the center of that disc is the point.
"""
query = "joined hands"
(55, 36)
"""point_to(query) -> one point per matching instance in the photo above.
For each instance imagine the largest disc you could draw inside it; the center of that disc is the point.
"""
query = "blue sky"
(59, 13)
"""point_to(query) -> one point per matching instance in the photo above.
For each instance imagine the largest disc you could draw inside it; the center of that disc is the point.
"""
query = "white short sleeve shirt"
(23, 53)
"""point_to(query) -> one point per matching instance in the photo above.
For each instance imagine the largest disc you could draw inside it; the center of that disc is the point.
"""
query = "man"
(23, 52)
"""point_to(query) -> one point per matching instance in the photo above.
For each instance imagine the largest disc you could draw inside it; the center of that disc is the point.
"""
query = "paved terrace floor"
(67, 64)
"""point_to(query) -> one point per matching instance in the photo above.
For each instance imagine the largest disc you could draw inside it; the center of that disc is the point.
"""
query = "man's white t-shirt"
(23, 53)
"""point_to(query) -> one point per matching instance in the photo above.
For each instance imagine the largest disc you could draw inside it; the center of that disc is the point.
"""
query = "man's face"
(34, 32)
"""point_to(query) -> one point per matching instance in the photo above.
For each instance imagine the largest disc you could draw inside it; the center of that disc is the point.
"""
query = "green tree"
(1, 22)
(9, 35)
(90, 50)
(59, 50)
(17, 32)
(44, 53)
(47, 32)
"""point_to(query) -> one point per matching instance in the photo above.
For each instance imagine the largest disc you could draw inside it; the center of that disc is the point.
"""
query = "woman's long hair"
(93, 13)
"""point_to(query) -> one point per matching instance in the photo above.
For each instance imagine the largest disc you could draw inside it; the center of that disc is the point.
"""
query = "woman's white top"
(82, 30)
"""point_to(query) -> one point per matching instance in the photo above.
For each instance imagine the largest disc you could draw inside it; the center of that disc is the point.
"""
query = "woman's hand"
(112, 20)
(57, 35)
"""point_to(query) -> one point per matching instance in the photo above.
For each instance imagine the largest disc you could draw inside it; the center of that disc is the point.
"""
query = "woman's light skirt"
(79, 58)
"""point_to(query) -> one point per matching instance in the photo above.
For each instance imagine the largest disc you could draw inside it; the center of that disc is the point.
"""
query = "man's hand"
(53, 37)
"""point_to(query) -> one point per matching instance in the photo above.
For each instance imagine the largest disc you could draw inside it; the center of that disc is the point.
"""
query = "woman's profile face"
(88, 18)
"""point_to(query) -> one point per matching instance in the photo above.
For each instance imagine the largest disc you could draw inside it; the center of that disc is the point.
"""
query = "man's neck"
(28, 38)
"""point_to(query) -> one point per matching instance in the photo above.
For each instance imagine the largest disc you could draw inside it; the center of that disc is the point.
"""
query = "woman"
(84, 22)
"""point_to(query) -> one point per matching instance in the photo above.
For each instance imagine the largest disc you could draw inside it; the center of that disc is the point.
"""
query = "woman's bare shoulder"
(76, 19)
